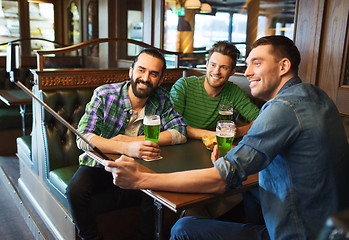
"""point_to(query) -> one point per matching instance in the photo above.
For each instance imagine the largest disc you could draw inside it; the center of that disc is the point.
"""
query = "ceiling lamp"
(192, 4)
(205, 8)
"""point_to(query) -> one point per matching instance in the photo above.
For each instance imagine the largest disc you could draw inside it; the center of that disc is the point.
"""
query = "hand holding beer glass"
(225, 132)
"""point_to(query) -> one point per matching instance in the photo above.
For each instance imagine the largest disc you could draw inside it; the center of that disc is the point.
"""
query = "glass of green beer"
(225, 132)
(226, 112)
(151, 125)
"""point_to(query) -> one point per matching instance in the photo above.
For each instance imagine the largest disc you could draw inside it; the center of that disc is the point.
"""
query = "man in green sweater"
(198, 99)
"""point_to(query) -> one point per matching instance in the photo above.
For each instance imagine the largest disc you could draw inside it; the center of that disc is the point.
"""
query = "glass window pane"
(172, 13)
(92, 18)
(171, 23)
(74, 24)
(261, 29)
(9, 23)
(206, 30)
(41, 17)
(238, 35)
(239, 27)
(134, 30)
(92, 27)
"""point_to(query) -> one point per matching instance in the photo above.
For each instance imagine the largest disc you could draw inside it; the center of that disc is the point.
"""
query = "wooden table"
(16, 98)
(188, 156)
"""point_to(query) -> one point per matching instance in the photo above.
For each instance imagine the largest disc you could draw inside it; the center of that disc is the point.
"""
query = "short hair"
(225, 48)
(282, 47)
(154, 53)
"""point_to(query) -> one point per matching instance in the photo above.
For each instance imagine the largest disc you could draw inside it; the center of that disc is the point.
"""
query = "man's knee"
(181, 228)
(74, 191)
(69, 191)
(78, 186)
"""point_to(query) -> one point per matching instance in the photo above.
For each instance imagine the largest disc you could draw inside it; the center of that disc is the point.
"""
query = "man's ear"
(285, 66)
(130, 72)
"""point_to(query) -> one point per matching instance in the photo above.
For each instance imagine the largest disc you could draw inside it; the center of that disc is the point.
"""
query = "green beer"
(225, 132)
(224, 144)
(226, 115)
(151, 125)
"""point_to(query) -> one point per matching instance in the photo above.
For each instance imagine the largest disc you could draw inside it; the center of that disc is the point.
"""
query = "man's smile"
(253, 82)
(143, 84)
(215, 77)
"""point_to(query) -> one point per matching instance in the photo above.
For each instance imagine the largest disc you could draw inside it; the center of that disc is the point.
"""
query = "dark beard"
(142, 93)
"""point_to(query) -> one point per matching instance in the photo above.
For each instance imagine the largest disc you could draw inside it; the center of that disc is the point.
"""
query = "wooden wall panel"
(333, 46)
(343, 101)
(307, 38)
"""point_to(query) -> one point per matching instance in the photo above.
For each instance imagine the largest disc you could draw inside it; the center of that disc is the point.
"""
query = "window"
(92, 27)
(9, 24)
(229, 22)
(210, 28)
(171, 22)
(73, 24)
(238, 35)
(41, 17)
(134, 30)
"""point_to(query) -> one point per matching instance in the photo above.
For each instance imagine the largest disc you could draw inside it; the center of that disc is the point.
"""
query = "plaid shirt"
(109, 111)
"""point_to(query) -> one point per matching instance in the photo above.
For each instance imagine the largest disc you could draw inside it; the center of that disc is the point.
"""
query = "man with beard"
(199, 99)
(113, 123)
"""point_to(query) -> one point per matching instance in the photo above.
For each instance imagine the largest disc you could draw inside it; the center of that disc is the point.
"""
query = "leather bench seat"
(60, 177)
(24, 149)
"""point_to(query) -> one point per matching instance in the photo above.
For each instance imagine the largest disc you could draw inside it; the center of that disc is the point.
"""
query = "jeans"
(91, 191)
(198, 228)
(252, 207)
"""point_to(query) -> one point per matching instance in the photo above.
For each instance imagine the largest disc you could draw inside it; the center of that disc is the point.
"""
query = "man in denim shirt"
(297, 144)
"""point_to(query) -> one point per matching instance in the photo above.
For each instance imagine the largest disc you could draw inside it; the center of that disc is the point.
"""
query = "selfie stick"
(12, 66)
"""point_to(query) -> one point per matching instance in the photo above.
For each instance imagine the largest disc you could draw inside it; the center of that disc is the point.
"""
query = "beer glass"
(151, 125)
(225, 132)
(226, 112)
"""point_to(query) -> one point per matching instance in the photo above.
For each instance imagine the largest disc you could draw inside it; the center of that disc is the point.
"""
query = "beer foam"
(225, 134)
(226, 112)
(151, 120)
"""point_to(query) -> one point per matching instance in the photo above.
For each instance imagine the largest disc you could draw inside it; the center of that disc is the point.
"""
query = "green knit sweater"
(199, 110)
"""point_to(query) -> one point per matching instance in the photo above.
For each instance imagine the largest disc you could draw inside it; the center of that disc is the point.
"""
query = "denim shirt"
(299, 147)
